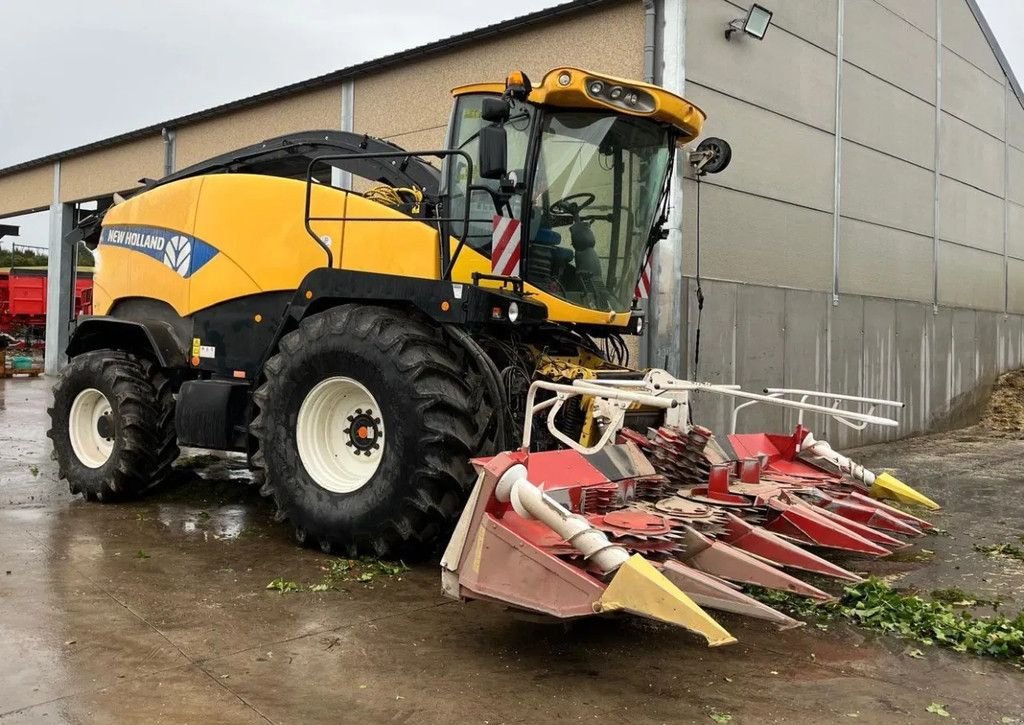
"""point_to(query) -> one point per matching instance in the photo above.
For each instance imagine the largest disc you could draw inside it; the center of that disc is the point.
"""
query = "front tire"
(112, 425)
(367, 421)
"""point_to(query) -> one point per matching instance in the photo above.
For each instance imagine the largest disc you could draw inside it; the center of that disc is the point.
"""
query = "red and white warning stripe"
(505, 246)
(643, 287)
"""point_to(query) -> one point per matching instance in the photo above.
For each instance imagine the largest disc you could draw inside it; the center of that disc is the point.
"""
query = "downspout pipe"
(650, 23)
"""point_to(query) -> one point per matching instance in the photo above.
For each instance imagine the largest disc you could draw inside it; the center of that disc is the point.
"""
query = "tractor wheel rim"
(91, 428)
(340, 434)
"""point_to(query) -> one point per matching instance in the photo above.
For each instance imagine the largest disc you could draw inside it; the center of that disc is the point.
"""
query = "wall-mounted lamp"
(755, 24)
(9, 230)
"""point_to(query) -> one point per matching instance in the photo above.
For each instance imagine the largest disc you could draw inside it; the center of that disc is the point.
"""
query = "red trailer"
(23, 298)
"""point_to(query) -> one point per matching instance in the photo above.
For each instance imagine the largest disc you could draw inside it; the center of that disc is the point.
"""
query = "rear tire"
(112, 425)
(347, 380)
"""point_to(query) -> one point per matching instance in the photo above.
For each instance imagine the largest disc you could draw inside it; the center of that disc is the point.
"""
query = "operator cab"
(582, 162)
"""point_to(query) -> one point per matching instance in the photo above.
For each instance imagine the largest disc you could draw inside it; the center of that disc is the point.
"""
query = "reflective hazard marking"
(643, 287)
(505, 246)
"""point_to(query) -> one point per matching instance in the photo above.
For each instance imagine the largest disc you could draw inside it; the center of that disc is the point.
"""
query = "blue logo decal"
(183, 253)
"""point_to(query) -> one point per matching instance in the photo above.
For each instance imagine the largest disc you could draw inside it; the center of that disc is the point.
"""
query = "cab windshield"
(597, 189)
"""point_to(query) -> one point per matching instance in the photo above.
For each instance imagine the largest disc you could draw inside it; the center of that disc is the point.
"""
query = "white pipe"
(782, 402)
(836, 396)
(531, 503)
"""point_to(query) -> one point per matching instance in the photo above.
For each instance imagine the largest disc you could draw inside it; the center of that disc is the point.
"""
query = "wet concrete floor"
(158, 611)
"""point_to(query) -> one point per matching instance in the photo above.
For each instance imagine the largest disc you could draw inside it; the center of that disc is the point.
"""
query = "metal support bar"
(838, 165)
(1006, 195)
(665, 333)
(837, 398)
(937, 157)
(60, 280)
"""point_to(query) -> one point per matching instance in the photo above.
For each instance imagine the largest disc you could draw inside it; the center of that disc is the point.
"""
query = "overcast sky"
(76, 71)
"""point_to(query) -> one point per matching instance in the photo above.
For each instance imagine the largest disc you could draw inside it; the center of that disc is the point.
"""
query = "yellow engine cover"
(199, 241)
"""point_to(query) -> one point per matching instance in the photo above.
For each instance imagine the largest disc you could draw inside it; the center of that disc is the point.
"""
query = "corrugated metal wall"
(928, 316)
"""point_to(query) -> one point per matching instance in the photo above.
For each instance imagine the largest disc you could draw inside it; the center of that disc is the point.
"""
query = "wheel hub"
(91, 428)
(363, 431)
(340, 435)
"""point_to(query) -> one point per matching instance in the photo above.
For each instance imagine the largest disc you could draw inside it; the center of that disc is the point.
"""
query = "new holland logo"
(182, 253)
(178, 254)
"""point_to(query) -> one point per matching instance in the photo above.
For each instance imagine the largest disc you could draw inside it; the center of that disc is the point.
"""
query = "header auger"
(376, 354)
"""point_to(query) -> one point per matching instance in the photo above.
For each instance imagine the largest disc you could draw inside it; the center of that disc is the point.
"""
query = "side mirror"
(493, 152)
(495, 110)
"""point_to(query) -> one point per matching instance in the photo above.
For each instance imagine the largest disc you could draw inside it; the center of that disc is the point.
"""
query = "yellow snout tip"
(639, 588)
(886, 486)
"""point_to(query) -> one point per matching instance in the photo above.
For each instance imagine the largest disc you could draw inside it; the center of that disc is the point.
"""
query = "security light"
(755, 24)
(9, 230)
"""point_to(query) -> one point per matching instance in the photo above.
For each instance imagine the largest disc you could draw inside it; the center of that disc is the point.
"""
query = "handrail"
(841, 416)
(438, 153)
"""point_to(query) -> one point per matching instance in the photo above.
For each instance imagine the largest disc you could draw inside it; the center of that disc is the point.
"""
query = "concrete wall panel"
(26, 191)
(315, 109)
(767, 151)
(607, 39)
(1015, 288)
(920, 13)
(940, 334)
(1015, 175)
(913, 371)
(806, 348)
(879, 378)
(117, 168)
(969, 216)
(846, 368)
(760, 241)
(964, 373)
(907, 130)
(881, 189)
(987, 332)
(1009, 342)
(961, 33)
(760, 360)
(1015, 239)
(717, 348)
(1015, 120)
(970, 155)
(908, 262)
(972, 95)
(887, 46)
(970, 278)
(754, 71)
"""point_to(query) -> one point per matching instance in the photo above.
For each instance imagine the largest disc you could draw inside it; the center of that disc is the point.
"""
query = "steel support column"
(936, 209)
(60, 279)
(666, 329)
(339, 178)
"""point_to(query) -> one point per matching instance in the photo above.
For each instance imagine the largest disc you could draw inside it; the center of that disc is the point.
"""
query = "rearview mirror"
(495, 110)
(493, 152)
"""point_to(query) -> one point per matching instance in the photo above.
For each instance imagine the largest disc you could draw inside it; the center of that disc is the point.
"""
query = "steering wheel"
(571, 206)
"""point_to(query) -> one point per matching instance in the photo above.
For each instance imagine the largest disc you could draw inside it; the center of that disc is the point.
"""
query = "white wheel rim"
(340, 434)
(85, 422)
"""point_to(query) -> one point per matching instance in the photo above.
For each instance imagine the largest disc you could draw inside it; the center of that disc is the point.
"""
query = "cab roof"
(569, 87)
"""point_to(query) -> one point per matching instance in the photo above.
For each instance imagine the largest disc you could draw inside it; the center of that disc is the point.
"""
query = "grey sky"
(76, 72)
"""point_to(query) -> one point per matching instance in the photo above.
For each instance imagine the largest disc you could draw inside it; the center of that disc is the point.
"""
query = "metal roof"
(370, 66)
(437, 46)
